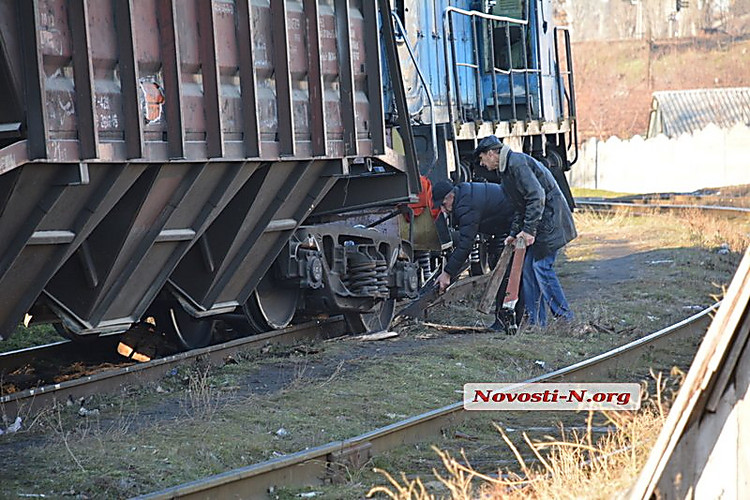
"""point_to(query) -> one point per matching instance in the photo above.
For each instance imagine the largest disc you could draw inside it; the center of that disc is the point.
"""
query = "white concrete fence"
(712, 157)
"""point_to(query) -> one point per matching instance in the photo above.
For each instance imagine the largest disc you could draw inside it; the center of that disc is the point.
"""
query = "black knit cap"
(489, 142)
(439, 191)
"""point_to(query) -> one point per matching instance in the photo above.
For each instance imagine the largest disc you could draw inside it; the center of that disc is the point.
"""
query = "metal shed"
(677, 112)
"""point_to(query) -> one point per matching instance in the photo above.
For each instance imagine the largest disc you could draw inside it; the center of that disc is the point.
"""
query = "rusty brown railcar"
(157, 156)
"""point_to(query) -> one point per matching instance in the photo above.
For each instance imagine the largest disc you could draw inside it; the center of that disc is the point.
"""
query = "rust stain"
(152, 99)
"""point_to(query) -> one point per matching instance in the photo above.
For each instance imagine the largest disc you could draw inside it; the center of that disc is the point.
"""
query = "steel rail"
(110, 380)
(314, 465)
(31, 399)
(611, 205)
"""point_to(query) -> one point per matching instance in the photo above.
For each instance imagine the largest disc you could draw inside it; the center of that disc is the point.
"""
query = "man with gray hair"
(542, 218)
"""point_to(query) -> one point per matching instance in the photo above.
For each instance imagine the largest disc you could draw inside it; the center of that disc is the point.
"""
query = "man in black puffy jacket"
(542, 218)
(475, 207)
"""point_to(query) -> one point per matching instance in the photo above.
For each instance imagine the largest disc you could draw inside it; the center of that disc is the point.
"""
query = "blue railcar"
(476, 68)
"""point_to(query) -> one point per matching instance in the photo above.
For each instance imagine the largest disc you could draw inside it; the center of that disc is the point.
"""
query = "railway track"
(646, 206)
(317, 465)
(103, 350)
(109, 380)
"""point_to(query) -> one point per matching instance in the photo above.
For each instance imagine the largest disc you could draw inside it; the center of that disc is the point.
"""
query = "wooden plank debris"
(376, 336)
(487, 302)
(456, 329)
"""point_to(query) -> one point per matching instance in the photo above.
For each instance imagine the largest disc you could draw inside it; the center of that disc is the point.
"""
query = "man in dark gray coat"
(542, 218)
(475, 207)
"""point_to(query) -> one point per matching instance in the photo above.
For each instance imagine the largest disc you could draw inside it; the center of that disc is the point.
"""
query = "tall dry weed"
(577, 465)
(704, 229)
(711, 231)
(202, 399)
(586, 219)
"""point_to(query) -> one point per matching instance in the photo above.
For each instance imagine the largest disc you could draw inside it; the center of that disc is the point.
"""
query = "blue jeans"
(541, 288)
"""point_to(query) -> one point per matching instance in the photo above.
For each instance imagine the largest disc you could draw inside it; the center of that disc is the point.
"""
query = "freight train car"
(180, 162)
(159, 155)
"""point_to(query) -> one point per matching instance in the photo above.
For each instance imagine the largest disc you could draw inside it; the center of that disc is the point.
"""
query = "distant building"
(676, 112)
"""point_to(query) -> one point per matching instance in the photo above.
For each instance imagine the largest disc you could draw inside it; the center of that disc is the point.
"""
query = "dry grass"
(202, 400)
(575, 466)
(708, 231)
(703, 229)
(588, 219)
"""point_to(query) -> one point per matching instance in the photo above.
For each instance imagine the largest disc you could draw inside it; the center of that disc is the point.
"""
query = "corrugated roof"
(684, 111)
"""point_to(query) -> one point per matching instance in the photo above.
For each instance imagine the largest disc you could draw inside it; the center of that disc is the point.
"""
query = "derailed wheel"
(184, 330)
(271, 306)
(376, 321)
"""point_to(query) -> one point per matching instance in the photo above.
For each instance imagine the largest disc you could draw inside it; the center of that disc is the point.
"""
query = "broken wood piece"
(377, 336)
(462, 435)
(425, 336)
(455, 329)
(496, 279)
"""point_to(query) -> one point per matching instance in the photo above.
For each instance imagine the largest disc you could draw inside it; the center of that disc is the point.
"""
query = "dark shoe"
(506, 325)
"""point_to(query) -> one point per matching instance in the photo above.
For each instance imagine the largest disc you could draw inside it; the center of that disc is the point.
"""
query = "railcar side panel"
(152, 132)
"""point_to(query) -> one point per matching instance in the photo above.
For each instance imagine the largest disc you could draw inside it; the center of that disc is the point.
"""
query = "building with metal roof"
(677, 112)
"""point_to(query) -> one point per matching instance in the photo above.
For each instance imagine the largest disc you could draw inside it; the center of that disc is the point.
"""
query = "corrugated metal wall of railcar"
(158, 133)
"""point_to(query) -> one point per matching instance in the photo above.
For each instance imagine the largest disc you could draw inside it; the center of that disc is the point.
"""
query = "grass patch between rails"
(30, 336)
(624, 277)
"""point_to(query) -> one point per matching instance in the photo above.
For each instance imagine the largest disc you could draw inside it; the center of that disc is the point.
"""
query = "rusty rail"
(153, 370)
(661, 207)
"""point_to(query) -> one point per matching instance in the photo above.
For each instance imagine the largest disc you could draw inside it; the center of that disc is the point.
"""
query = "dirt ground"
(623, 277)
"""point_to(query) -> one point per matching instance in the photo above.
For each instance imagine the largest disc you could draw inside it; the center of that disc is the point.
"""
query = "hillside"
(614, 80)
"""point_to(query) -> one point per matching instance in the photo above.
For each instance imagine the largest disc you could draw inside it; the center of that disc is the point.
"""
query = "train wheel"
(376, 321)
(271, 306)
(188, 332)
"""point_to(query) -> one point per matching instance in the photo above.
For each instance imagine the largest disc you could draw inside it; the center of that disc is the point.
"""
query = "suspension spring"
(474, 256)
(425, 263)
(381, 268)
(366, 276)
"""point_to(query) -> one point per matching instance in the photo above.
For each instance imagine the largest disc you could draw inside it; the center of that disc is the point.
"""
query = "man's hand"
(529, 238)
(443, 281)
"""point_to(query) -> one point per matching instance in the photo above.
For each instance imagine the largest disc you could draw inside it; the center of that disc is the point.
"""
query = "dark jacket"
(541, 209)
(478, 207)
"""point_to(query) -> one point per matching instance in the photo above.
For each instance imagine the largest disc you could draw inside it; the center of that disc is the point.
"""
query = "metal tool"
(428, 293)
